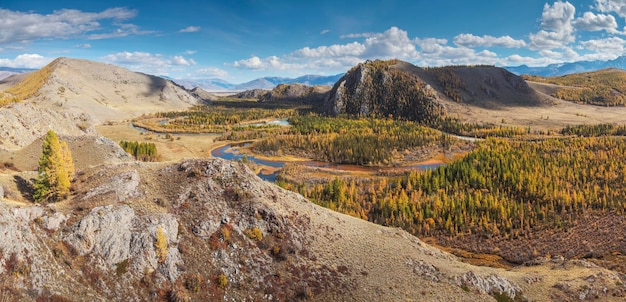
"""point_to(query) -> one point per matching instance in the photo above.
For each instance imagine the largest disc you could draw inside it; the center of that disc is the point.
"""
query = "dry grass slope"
(605, 87)
(32, 83)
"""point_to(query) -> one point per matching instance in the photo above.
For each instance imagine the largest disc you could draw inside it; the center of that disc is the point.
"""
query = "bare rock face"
(488, 284)
(22, 123)
(295, 92)
(116, 234)
(121, 186)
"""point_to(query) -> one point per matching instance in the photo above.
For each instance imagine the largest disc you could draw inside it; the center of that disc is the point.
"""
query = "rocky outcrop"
(203, 95)
(380, 89)
(251, 94)
(295, 92)
(211, 230)
(22, 123)
(115, 234)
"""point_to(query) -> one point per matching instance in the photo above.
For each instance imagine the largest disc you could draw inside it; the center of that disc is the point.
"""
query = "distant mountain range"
(568, 68)
(260, 83)
(6, 72)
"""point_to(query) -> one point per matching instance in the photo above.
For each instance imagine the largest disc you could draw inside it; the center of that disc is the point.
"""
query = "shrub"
(161, 245)
(222, 281)
(193, 282)
(122, 267)
(254, 233)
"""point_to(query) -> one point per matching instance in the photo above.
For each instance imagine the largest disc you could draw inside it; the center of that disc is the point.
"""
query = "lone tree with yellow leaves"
(56, 169)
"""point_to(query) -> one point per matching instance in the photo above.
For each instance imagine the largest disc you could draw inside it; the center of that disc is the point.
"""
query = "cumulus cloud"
(592, 22)
(612, 6)
(26, 61)
(272, 62)
(190, 29)
(557, 29)
(180, 60)
(18, 26)
(352, 49)
(470, 40)
(147, 62)
(393, 43)
(609, 47)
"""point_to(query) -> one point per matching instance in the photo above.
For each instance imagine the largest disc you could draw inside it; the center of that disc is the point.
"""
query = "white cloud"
(269, 63)
(609, 48)
(180, 60)
(393, 43)
(190, 29)
(123, 31)
(191, 52)
(592, 22)
(25, 61)
(147, 62)
(470, 40)
(18, 26)
(557, 30)
(354, 49)
(325, 31)
(515, 60)
(357, 36)
(85, 45)
(550, 54)
(612, 6)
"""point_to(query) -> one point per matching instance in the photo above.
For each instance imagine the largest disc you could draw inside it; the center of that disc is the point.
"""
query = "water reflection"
(231, 152)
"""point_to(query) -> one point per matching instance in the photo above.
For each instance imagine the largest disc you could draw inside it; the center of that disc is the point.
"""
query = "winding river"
(231, 152)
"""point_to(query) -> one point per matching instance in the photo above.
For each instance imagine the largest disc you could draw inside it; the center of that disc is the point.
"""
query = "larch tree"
(55, 171)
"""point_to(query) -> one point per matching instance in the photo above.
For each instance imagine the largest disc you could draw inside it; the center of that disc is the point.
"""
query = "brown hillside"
(605, 87)
(104, 91)
(210, 230)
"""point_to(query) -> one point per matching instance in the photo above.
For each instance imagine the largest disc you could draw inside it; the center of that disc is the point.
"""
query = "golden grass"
(30, 85)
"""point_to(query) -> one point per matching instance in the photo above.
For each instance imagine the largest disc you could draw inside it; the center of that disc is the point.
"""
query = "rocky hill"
(295, 92)
(203, 95)
(22, 123)
(251, 94)
(104, 91)
(398, 88)
(211, 230)
(379, 88)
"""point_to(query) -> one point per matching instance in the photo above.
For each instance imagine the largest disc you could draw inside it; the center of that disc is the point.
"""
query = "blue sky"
(240, 40)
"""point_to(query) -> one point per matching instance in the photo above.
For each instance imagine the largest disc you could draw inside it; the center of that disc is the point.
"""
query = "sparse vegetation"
(222, 281)
(254, 233)
(161, 245)
(604, 87)
(30, 85)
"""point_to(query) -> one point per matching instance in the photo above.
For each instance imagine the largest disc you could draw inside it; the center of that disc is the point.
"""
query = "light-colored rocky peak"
(104, 91)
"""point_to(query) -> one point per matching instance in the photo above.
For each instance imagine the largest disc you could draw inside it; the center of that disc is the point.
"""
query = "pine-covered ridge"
(503, 188)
